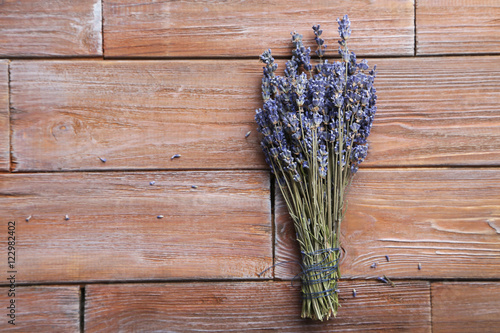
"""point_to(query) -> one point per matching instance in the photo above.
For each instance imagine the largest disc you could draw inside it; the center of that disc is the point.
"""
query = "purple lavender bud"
(344, 28)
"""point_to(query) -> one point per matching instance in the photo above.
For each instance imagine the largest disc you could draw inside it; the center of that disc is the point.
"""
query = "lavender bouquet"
(315, 122)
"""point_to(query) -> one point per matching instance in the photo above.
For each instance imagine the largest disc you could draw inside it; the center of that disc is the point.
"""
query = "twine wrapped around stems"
(315, 122)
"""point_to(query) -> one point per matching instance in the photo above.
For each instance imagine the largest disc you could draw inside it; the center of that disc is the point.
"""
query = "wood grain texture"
(246, 28)
(436, 111)
(137, 114)
(48, 309)
(50, 28)
(4, 116)
(247, 306)
(465, 307)
(221, 229)
(448, 220)
(458, 26)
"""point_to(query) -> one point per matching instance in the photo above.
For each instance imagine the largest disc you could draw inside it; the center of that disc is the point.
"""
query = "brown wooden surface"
(4, 116)
(50, 28)
(436, 111)
(466, 307)
(457, 26)
(50, 309)
(137, 114)
(252, 306)
(186, 80)
(246, 28)
(221, 229)
(445, 219)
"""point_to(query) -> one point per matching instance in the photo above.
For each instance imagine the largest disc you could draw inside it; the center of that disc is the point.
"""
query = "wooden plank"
(458, 26)
(436, 111)
(4, 116)
(220, 229)
(50, 28)
(138, 114)
(448, 220)
(466, 306)
(247, 28)
(41, 309)
(243, 306)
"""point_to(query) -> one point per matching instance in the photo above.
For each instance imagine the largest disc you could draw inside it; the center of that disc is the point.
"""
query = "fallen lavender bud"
(381, 279)
(385, 279)
(354, 292)
(66, 217)
(248, 134)
(103, 160)
(159, 217)
(175, 156)
(152, 182)
(374, 265)
(387, 258)
(419, 266)
(28, 218)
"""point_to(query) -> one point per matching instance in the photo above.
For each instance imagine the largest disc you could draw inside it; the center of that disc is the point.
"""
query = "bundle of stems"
(315, 123)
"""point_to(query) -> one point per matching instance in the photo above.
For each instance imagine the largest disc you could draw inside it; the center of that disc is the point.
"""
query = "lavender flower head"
(330, 106)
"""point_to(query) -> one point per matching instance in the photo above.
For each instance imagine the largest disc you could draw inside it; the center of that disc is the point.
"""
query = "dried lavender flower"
(315, 121)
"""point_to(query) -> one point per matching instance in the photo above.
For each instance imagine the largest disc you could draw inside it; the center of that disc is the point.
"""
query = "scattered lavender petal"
(381, 279)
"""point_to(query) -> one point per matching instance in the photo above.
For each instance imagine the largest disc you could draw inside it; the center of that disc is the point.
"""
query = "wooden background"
(135, 82)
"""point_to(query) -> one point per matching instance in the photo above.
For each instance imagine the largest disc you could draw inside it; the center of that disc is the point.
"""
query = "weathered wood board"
(465, 306)
(220, 229)
(50, 28)
(138, 114)
(448, 220)
(259, 306)
(44, 309)
(457, 27)
(4, 116)
(246, 28)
